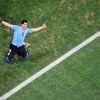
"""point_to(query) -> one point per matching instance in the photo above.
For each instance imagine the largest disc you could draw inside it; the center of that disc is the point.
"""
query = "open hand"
(44, 26)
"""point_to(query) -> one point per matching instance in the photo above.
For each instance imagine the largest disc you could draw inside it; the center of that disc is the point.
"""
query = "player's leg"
(23, 52)
(10, 53)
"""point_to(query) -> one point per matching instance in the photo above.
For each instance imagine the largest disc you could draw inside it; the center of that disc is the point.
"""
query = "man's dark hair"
(24, 21)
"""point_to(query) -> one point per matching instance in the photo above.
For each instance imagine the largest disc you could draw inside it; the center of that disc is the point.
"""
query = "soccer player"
(17, 45)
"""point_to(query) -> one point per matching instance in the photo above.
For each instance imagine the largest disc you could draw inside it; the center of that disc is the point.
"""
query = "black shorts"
(20, 51)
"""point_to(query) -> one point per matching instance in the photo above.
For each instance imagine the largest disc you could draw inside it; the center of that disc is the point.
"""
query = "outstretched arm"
(39, 28)
(5, 23)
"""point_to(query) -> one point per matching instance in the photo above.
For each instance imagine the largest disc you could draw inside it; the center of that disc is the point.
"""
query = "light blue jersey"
(19, 35)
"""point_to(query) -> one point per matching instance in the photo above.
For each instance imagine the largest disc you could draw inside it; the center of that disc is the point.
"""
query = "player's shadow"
(37, 55)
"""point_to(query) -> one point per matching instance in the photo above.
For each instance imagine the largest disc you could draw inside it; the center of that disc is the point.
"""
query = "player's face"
(24, 25)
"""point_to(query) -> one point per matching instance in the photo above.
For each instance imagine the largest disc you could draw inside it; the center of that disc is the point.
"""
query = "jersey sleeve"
(14, 27)
(29, 30)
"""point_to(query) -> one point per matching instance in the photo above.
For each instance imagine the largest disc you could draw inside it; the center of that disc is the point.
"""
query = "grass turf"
(76, 78)
(69, 23)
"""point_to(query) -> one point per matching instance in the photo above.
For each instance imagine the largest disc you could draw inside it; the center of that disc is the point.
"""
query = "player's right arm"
(5, 23)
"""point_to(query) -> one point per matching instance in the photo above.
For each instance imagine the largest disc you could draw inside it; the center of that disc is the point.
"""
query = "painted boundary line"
(48, 67)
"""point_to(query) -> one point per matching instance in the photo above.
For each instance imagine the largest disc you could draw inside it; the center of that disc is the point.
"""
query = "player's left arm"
(44, 26)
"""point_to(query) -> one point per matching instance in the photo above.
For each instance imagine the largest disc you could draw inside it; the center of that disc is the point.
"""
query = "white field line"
(48, 67)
